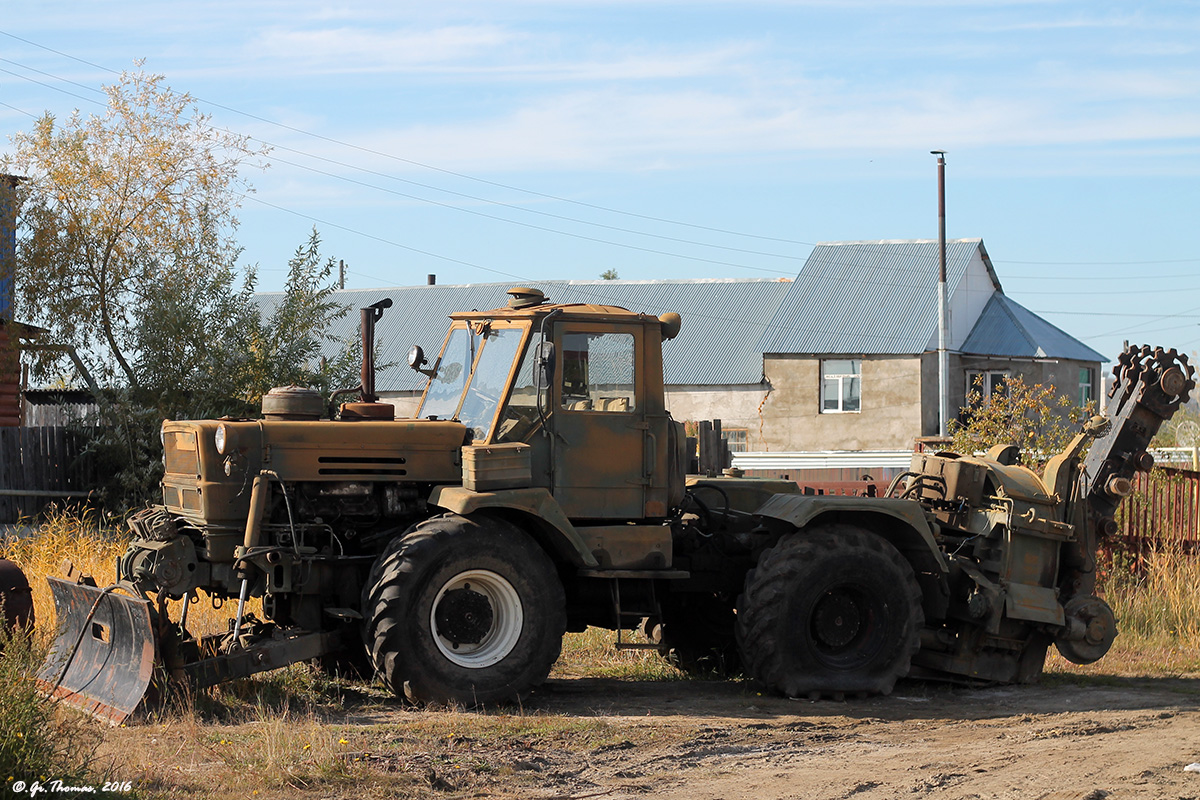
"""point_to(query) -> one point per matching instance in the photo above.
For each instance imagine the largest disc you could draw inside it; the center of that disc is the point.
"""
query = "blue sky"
(497, 141)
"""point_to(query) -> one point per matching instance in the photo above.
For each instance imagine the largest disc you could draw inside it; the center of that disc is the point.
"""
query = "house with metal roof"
(716, 349)
(850, 356)
(843, 357)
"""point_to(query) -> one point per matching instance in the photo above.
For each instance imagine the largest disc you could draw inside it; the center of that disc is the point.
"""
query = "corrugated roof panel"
(1006, 328)
(717, 345)
(866, 297)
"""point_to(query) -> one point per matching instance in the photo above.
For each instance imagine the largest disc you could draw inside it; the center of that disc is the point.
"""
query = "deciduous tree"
(1035, 417)
(123, 208)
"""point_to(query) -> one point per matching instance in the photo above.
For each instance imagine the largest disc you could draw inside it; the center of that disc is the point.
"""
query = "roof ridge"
(1003, 302)
(556, 281)
(900, 241)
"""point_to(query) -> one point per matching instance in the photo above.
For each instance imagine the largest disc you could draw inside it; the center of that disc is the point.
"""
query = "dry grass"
(1157, 606)
(593, 653)
(284, 754)
(84, 537)
(284, 734)
(93, 544)
(38, 740)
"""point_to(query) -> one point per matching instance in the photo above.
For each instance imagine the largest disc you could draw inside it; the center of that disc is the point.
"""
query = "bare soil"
(1068, 738)
(1120, 738)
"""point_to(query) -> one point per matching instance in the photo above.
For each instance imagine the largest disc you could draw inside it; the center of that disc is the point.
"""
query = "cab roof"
(569, 310)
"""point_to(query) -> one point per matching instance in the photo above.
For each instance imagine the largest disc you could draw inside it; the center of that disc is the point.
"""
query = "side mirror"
(417, 360)
(543, 356)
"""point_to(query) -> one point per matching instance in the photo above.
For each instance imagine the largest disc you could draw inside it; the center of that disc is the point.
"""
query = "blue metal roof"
(1005, 328)
(868, 297)
(717, 345)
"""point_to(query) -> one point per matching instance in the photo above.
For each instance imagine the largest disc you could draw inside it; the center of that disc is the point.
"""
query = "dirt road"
(1119, 738)
(1070, 738)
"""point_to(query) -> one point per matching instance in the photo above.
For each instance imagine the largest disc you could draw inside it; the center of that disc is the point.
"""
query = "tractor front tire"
(463, 611)
(829, 612)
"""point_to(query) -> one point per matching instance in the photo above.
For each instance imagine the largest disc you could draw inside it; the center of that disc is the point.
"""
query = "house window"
(841, 385)
(1087, 383)
(983, 385)
(738, 439)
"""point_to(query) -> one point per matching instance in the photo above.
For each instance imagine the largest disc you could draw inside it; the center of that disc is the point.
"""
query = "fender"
(903, 522)
(543, 512)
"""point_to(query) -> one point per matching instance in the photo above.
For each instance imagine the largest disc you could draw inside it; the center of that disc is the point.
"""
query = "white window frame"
(989, 387)
(1087, 385)
(737, 439)
(841, 378)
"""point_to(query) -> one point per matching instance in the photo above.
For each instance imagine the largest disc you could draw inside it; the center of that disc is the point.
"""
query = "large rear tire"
(463, 611)
(833, 611)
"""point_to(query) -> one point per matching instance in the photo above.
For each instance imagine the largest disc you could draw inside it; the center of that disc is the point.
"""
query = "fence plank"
(40, 460)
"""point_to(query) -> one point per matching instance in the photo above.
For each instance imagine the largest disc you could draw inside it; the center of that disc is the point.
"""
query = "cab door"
(599, 422)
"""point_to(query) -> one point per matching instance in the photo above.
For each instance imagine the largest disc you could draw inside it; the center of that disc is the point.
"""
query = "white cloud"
(339, 50)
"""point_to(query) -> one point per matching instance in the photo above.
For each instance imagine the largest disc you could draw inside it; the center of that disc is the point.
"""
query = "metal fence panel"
(1162, 512)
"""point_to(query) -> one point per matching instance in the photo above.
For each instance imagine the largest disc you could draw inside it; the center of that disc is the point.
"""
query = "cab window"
(598, 372)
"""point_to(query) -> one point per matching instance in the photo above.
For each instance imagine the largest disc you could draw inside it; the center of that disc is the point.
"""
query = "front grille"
(190, 499)
(361, 465)
(182, 456)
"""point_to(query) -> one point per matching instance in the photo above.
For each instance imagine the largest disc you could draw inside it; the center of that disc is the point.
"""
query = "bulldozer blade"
(103, 658)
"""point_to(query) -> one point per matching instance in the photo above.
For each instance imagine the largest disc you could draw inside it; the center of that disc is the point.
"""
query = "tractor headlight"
(220, 438)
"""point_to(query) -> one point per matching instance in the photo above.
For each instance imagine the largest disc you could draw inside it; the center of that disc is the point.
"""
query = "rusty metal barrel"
(16, 598)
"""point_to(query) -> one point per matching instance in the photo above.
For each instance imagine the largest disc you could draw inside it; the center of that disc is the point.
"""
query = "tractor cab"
(568, 397)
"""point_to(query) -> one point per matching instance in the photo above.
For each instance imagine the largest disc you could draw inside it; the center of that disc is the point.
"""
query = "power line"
(381, 239)
(512, 206)
(1134, 332)
(538, 227)
(1170, 290)
(532, 192)
(18, 110)
(1094, 278)
(389, 242)
(1100, 263)
(1112, 314)
(461, 194)
(441, 170)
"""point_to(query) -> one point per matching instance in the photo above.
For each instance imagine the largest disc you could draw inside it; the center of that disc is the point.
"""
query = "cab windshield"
(472, 396)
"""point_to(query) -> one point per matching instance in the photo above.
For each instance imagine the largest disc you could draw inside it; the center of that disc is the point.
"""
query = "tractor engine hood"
(211, 464)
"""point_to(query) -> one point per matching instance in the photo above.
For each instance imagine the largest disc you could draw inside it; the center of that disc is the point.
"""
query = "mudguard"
(103, 658)
(911, 533)
(536, 503)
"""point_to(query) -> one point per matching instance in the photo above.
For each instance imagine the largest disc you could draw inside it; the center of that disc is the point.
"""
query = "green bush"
(40, 742)
(1035, 417)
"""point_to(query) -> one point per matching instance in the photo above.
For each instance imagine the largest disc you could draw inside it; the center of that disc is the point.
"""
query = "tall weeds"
(1158, 598)
(39, 741)
(82, 536)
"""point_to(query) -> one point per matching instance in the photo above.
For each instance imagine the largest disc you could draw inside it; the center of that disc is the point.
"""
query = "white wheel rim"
(507, 620)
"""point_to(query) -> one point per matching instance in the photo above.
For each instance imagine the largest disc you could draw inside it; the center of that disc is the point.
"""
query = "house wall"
(405, 402)
(891, 415)
(1061, 374)
(965, 303)
(782, 414)
(736, 407)
(8, 243)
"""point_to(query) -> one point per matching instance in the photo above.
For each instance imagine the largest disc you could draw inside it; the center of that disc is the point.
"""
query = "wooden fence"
(39, 466)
